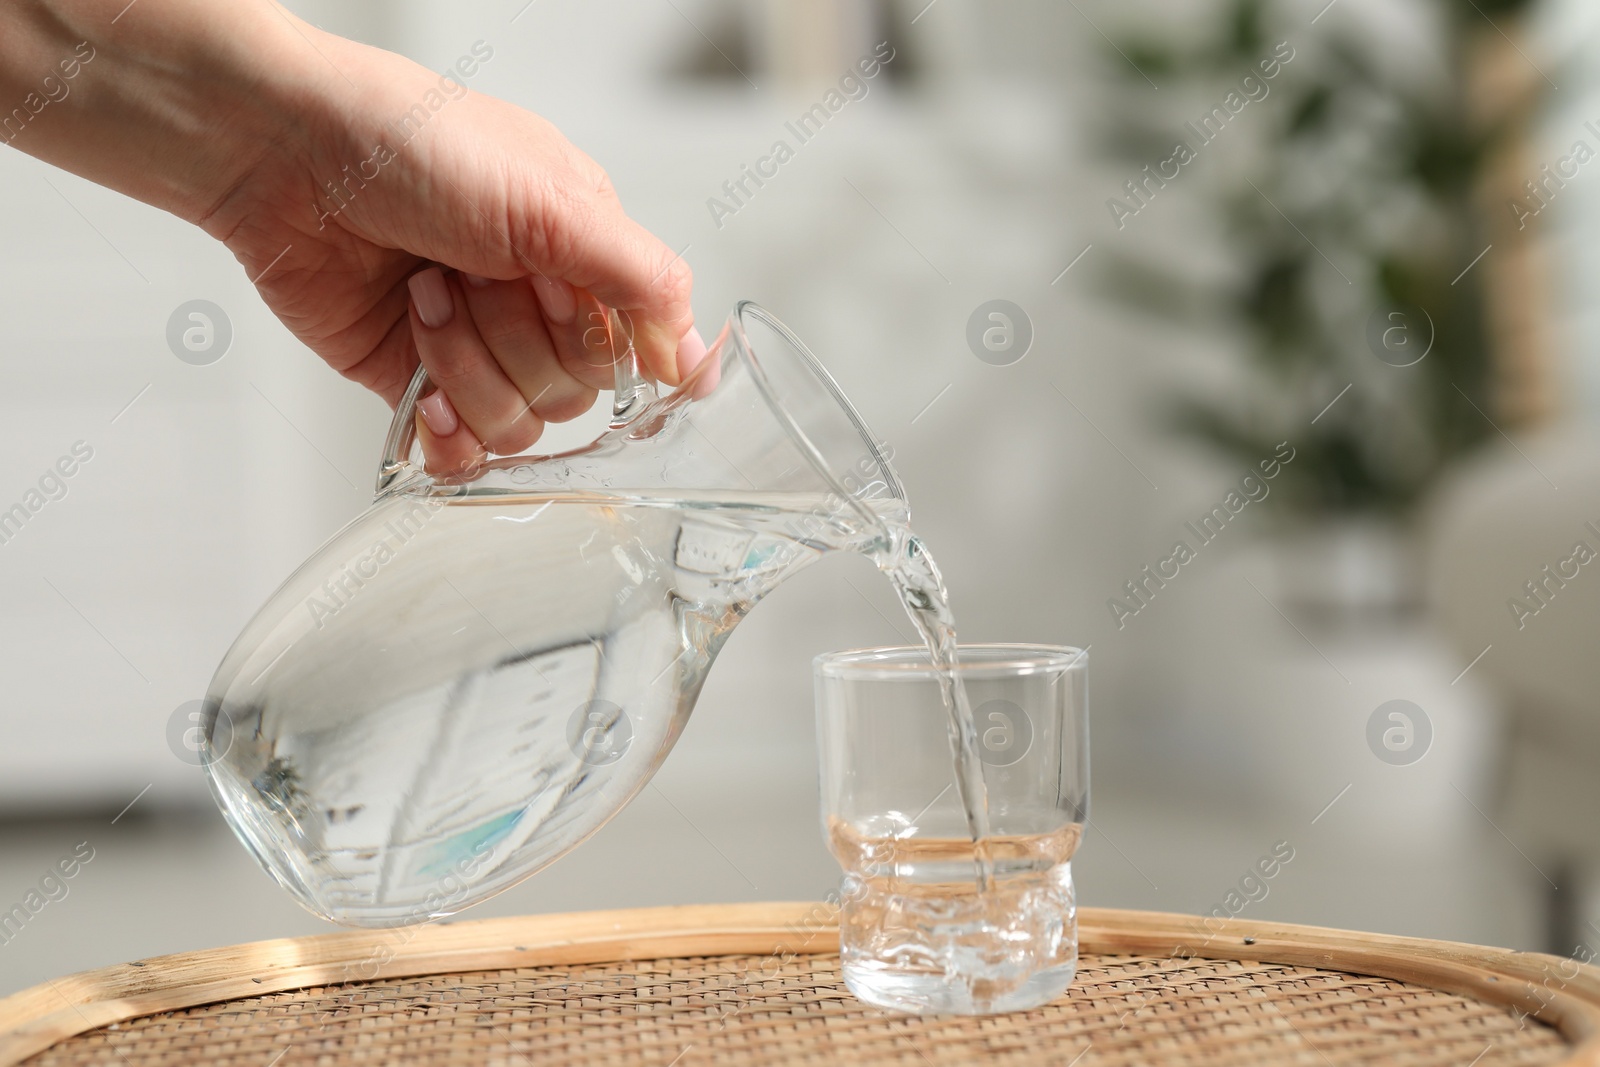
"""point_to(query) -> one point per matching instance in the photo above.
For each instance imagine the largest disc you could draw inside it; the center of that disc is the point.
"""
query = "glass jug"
(481, 670)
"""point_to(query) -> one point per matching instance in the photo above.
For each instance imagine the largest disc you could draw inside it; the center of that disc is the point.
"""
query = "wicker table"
(759, 984)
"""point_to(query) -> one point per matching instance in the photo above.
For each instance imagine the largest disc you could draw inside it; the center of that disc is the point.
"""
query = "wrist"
(172, 102)
(313, 104)
(238, 87)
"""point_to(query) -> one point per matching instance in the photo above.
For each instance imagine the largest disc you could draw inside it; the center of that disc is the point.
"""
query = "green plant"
(1350, 190)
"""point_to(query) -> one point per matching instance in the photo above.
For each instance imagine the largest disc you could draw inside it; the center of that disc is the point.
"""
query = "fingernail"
(475, 280)
(557, 299)
(430, 295)
(691, 354)
(691, 350)
(438, 413)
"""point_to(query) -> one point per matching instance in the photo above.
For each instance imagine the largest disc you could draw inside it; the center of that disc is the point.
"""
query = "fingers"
(486, 402)
(448, 447)
(583, 341)
(626, 267)
(525, 202)
(577, 233)
(503, 363)
(691, 354)
(512, 324)
(580, 331)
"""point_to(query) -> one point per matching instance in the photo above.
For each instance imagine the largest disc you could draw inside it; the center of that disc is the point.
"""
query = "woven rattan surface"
(758, 983)
(748, 1009)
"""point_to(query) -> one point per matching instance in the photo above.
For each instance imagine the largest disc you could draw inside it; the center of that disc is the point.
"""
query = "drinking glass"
(916, 934)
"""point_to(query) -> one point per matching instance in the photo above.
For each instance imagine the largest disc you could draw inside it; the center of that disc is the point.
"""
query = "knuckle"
(452, 371)
(501, 332)
(389, 383)
(596, 375)
(517, 434)
(677, 282)
(563, 224)
(446, 460)
(454, 363)
(585, 170)
(568, 407)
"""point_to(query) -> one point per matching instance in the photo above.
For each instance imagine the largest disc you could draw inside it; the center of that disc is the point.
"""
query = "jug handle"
(633, 392)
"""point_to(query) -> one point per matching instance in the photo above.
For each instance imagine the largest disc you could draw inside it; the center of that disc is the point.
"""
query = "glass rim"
(887, 662)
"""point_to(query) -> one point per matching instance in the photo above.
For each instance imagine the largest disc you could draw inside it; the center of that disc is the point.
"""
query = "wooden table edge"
(1550, 989)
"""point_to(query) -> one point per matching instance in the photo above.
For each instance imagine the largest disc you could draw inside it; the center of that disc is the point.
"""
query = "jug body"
(477, 673)
(453, 692)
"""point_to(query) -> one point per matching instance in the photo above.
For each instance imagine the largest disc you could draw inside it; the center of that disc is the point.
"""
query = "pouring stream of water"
(916, 579)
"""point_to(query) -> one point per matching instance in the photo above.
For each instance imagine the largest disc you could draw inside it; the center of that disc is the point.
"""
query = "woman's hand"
(514, 336)
(385, 213)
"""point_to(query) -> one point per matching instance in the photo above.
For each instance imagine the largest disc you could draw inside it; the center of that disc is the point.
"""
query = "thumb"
(622, 265)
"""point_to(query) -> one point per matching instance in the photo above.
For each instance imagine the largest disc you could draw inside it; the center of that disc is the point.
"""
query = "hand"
(539, 243)
(384, 213)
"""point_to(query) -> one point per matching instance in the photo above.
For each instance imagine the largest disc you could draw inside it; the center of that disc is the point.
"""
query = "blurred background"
(1372, 260)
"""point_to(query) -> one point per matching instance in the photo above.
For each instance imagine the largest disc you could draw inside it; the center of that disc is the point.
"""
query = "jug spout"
(823, 429)
(773, 428)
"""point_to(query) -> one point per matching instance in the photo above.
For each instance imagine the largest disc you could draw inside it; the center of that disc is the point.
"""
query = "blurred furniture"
(1504, 530)
(1506, 93)
(759, 984)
